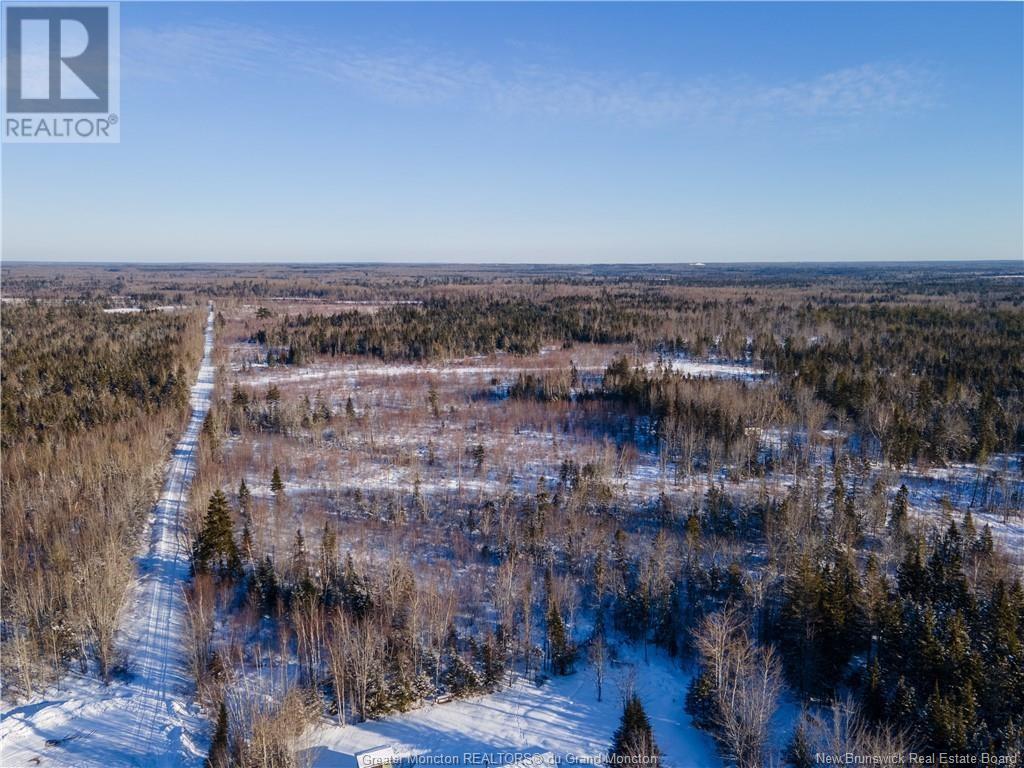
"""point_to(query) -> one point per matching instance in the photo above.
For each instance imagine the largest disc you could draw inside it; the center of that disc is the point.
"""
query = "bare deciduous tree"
(745, 684)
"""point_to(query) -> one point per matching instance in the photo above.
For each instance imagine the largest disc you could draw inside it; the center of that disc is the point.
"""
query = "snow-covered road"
(149, 719)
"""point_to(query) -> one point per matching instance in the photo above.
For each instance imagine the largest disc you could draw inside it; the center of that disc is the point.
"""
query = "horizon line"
(535, 264)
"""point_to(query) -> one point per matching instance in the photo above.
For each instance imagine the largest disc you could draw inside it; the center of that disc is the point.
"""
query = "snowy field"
(147, 718)
(250, 368)
(562, 716)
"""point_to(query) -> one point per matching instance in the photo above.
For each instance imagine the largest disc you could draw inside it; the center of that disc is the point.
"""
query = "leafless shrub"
(267, 730)
(842, 730)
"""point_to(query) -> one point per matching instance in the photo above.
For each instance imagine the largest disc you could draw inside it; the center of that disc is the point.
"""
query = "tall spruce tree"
(900, 506)
(246, 545)
(300, 559)
(215, 546)
(634, 737)
(244, 497)
(276, 484)
(563, 651)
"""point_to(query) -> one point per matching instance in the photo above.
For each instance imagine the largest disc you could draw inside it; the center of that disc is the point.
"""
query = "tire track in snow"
(159, 647)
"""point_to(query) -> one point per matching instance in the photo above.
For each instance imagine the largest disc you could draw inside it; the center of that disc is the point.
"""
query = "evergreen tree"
(246, 547)
(911, 575)
(928, 652)
(985, 544)
(220, 751)
(492, 660)
(988, 436)
(210, 430)
(666, 514)
(800, 622)
(276, 484)
(838, 492)
(265, 583)
(903, 707)
(701, 702)
(321, 408)
(634, 737)
(692, 530)
(216, 544)
(799, 752)
(945, 731)
(970, 532)
(563, 651)
(1004, 649)
(900, 506)
(874, 694)
(876, 596)
(461, 678)
(244, 497)
(959, 664)
(354, 589)
(842, 618)
(328, 558)
(300, 561)
(877, 504)
(239, 397)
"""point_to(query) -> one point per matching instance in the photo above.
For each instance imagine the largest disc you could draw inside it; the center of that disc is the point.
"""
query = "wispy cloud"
(175, 52)
(883, 87)
(403, 74)
(410, 73)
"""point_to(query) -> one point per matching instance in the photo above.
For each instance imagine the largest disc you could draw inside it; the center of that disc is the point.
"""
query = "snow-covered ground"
(133, 310)
(993, 492)
(351, 372)
(562, 716)
(711, 368)
(149, 719)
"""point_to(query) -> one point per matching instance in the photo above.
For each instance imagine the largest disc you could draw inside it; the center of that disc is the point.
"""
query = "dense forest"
(69, 368)
(91, 402)
(445, 328)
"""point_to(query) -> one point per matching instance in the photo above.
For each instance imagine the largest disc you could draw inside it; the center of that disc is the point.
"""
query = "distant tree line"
(930, 382)
(443, 328)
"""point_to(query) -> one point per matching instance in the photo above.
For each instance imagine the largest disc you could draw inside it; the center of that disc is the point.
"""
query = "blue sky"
(543, 132)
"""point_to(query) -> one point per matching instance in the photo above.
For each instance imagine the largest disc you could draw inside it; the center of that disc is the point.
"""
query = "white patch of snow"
(711, 368)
